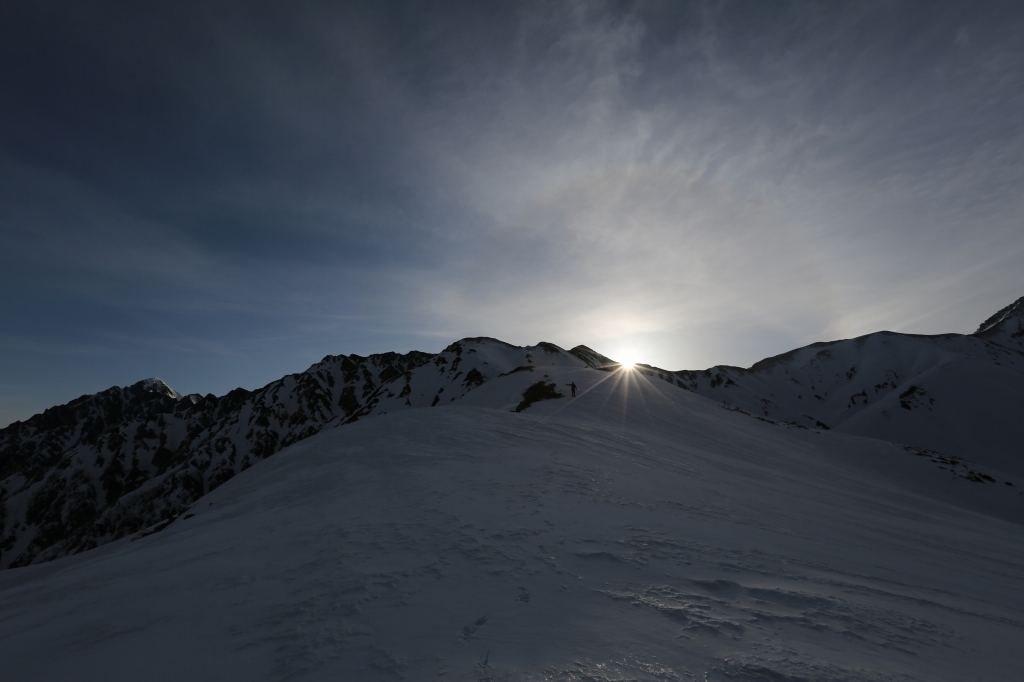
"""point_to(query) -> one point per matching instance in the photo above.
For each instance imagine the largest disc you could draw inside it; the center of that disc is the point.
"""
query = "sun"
(627, 359)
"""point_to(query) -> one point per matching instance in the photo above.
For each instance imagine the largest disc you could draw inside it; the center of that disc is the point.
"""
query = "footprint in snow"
(470, 629)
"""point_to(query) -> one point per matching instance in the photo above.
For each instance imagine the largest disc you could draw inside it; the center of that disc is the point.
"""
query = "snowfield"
(636, 532)
(109, 465)
(957, 394)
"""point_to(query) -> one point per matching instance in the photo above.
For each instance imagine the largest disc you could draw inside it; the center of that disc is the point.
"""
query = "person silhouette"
(572, 387)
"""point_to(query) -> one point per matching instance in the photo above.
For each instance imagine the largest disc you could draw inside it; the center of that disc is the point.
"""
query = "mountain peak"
(1014, 310)
(155, 385)
(1006, 327)
(592, 357)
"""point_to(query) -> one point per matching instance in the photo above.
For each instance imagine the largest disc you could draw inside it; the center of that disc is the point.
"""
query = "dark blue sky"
(221, 193)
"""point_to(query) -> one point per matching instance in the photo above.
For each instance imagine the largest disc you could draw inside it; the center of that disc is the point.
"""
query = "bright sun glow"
(627, 359)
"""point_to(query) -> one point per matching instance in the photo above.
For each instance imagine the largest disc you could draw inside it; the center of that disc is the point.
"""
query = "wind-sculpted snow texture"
(130, 460)
(635, 532)
(959, 395)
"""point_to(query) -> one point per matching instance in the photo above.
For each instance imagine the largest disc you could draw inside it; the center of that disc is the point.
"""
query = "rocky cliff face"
(130, 460)
(117, 462)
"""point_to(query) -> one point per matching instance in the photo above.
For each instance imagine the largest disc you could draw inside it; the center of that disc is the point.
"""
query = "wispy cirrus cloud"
(704, 183)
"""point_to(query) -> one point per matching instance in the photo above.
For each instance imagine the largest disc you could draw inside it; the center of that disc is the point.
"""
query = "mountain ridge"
(129, 460)
(124, 460)
(636, 532)
(952, 393)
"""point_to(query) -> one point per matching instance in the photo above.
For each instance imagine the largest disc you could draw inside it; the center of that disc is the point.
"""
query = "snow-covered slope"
(956, 394)
(132, 459)
(636, 532)
(127, 459)
(108, 465)
(1006, 327)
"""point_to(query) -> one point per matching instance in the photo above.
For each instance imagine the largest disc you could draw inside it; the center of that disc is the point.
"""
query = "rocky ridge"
(130, 460)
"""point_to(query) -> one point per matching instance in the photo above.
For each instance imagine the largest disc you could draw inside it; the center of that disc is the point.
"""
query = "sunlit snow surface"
(636, 532)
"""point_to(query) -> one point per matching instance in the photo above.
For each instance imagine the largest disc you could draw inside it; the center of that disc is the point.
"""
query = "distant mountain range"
(131, 460)
(958, 394)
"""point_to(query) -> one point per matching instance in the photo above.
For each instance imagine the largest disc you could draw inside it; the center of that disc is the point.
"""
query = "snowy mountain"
(959, 395)
(1006, 327)
(129, 461)
(635, 532)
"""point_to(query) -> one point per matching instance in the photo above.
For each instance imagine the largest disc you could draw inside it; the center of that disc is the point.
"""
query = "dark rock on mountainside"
(542, 390)
(130, 460)
(107, 465)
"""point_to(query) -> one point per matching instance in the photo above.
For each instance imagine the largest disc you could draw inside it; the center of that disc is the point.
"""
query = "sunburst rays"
(627, 388)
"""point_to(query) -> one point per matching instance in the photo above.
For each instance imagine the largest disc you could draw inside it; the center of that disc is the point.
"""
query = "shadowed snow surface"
(636, 532)
(955, 394)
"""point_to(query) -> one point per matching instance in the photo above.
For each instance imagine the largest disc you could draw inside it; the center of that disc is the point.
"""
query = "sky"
(219, 194)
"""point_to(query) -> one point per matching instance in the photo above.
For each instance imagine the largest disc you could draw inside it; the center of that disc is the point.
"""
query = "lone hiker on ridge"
(572, 386)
